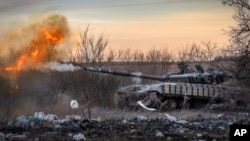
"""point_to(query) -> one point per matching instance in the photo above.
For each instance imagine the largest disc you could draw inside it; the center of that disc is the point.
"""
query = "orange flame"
(40, 49)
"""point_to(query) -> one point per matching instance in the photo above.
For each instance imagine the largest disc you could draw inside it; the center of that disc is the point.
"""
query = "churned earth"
(123, 125)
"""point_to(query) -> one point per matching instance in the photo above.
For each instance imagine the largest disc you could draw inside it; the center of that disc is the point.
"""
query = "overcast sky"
(136, 24)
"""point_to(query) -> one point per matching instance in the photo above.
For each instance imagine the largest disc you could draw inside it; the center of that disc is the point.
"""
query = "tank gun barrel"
(127, 74)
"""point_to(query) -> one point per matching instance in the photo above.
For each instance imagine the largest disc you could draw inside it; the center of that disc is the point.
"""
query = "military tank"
(187, 88)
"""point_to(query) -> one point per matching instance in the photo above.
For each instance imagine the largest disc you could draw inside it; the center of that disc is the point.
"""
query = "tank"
(187, 88)
(198, 76)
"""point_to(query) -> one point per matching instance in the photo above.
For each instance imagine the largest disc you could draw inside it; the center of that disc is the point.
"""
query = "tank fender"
(159, 88)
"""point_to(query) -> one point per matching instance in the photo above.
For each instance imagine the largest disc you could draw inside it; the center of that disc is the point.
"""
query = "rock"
(79, 137)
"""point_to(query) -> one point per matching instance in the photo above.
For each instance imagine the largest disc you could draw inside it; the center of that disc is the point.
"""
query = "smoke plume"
(55, 66)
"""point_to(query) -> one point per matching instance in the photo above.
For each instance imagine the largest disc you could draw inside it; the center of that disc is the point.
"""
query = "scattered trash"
(199, 135)
(52, 133)
(171, 118)
(2, 136)
(10, 123)
(159, 134)
(50, 117)
(73, 117)
(22, 121)
(181, 131)
(74, 104)
(79, 137)
(39, 115)
(124, 121)
(174, 119)
(141, 117)
(169, 138)
(18, 137)
(143, 106)
(181, 121)
(200, 126)
(97, 119)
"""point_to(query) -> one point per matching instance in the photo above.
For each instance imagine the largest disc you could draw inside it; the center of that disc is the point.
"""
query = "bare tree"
(91, 50)
(111, 56)
(183, 54)
(138, 56)
(153, 55)
(127, 55)
(207, 51)
(166, 56)
(239, 49)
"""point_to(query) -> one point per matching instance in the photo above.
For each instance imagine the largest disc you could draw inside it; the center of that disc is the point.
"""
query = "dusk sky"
(135, 24)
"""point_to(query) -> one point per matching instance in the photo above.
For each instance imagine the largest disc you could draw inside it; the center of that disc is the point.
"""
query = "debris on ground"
(167, 126)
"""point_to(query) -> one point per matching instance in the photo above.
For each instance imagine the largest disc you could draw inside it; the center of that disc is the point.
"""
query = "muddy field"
(106, 124)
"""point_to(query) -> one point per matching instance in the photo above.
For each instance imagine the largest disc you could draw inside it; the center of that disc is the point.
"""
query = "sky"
(135, 24)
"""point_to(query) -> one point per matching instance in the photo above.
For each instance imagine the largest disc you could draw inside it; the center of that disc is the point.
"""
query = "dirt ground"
(124, 125)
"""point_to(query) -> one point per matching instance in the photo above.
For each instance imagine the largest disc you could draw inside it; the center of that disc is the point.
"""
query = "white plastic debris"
(199, 135)
(50, 117)
(171, 118)
(218, 116)
(39, 115)
(181, 121)
(76, 117)
(141, 117)
(159, 134)
(97, 119)
(124, 121)
(79, 137)
(143, 106)
(73, 117)
(74, 104)
(174, 119)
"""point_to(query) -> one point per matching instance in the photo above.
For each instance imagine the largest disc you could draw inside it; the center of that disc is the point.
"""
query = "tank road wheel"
(169, 104)
(184, 104)
(122, 101)
(122, 104)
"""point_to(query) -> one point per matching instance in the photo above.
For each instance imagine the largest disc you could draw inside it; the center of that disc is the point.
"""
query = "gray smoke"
(55, 66)
(137, 80)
